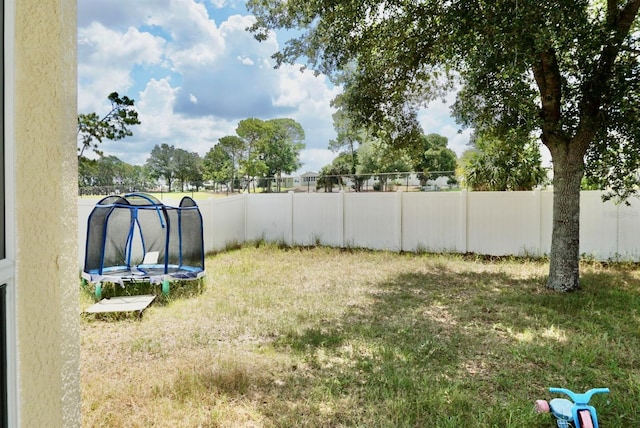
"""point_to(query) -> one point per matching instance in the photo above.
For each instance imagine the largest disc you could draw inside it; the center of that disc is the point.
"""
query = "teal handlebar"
(580, 398)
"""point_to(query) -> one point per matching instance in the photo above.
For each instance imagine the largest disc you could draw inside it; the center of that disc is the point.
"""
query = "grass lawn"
(346, 338)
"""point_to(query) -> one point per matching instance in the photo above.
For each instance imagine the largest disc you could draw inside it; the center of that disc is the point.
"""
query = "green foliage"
(260, 149)
(433, 156)
(218, 165)
(171, 164)
(280, 146)
(348, 136)
(115, 125)
(188, 168)
(369, 150)
(161, 163)
(378, 157)
(566, 70)
(332, 175)
(110, 171)
(221, 162)
(510, 164)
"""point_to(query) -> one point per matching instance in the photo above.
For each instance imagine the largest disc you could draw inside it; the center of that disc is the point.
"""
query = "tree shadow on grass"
(470, 349)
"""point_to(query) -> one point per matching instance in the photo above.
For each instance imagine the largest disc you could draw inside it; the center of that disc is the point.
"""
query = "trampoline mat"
(153, 274)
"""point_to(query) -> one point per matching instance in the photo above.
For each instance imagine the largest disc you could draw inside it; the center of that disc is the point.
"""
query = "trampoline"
(136, 237)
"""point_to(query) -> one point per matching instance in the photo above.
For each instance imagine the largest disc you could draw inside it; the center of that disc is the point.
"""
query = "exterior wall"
(45, 109)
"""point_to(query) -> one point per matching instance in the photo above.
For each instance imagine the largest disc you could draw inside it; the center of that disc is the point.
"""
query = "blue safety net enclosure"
(136, 237)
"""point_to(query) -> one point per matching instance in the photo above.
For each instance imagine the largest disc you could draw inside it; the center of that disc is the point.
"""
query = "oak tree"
(565, 69)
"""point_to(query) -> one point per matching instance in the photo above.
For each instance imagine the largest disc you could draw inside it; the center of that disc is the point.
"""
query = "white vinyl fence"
(491, 223)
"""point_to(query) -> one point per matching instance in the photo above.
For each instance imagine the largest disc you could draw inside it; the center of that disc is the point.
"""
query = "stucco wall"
(46, 213)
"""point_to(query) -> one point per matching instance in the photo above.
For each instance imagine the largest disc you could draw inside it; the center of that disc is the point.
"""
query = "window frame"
(7, 265)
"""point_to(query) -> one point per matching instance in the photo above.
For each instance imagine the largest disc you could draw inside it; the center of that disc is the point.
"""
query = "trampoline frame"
(151, 272)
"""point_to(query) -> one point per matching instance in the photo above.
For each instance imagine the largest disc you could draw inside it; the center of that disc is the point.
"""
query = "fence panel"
(269, 217)
(503, 223)
(546, 221)
(629, 231)
(598, 226)
(317, 219)
(373, 220)
(493, 223)
(433, 221)
(224, 222)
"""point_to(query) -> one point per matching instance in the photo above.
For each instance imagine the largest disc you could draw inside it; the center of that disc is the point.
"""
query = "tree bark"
(564, 267)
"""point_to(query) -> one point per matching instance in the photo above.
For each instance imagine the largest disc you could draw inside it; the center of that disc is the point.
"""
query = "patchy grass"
(347, 338)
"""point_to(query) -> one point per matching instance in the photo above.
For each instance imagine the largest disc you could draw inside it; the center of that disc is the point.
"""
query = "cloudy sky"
(195, 72)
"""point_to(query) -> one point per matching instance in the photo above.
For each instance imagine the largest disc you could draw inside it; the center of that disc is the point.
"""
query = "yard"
(321, 337)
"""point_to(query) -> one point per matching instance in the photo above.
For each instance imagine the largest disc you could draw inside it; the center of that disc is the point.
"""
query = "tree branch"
(547, 75)
(596, 85)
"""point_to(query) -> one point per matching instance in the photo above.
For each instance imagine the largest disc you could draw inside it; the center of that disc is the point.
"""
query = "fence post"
(245, 198)
(618, 213)
(344, 220)
(462, 227)
(399, 221)
(537, 209)
(291, 219)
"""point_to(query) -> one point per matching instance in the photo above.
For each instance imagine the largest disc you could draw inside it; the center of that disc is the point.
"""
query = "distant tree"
(187, 167)
(137, 177)
(251, 165)
(196, 175)
(217, 166)
(379, 157)
(433, 155)
(280, 148)
(333, 174)
(109, 171)
(161, 163)
(271, 147)
(234, 147)
(92, 128)
(349, 135)
(87, 171)
(511, 164)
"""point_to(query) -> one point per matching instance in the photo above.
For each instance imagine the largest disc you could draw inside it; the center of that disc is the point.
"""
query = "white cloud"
(194, 77)
(223, 3)
(160, 124)
(156, 109)
(245, 60)
(106, 58)
(436, 119)
(315, 159)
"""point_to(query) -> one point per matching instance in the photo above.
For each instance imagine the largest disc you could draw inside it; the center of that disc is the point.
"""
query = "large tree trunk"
(568, 170)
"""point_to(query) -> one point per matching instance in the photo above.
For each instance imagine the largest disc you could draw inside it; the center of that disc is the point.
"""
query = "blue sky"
(195, 72)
